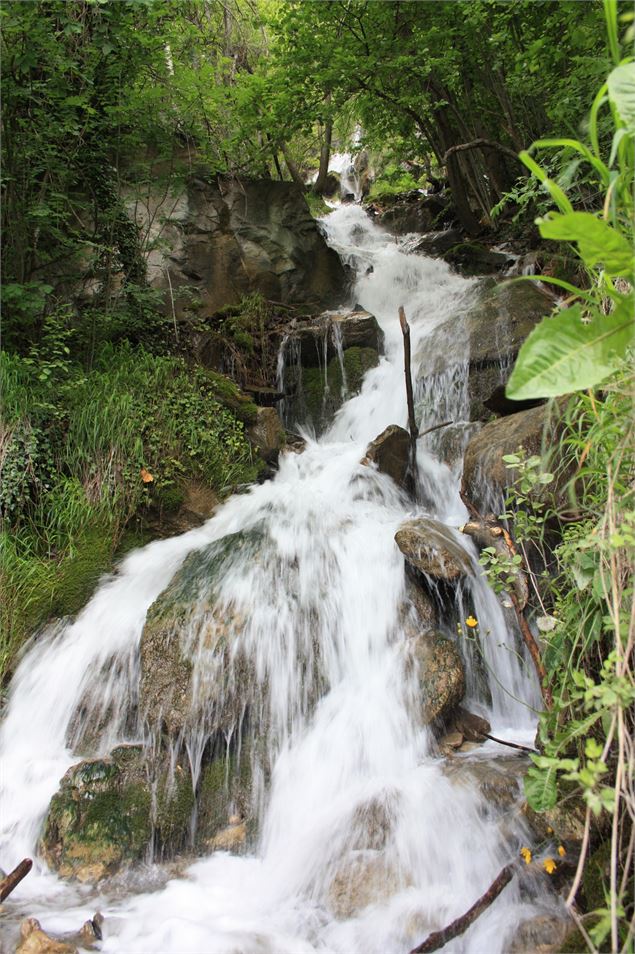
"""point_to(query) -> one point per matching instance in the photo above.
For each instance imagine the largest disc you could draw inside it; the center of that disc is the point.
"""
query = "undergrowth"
(83, 452)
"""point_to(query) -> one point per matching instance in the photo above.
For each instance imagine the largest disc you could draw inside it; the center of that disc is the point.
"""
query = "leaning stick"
(439, 938)
(412, 424)
(13, 879)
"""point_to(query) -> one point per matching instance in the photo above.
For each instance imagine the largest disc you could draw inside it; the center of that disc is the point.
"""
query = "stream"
(366, 838)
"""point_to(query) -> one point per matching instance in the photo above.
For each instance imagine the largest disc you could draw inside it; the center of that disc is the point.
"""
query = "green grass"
(74, 449)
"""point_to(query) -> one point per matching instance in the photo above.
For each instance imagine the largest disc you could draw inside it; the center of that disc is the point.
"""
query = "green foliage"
(583, 344)
(392, 180)
(71, 467)
(586, 615)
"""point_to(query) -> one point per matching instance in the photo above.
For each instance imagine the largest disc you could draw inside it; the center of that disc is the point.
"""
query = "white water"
(325, 590)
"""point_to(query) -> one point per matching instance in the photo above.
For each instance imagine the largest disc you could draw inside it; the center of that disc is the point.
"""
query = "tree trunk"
(325, 155)
(294, 172)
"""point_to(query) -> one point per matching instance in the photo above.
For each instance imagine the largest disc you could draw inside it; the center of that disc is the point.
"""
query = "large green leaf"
(621, 85)
(541, 789)
(565, 354)
(598, 243)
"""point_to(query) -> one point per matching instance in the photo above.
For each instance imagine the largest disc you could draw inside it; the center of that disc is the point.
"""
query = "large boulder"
(430, 548)
(189, 642)
(486, 477)
(324, 363)
(390, 453)
(215, 241)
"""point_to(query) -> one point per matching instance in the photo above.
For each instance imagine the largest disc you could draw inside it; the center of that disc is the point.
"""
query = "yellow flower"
(471, 622)
(549, 865)
(526, 855)
(562, 851)
(549, 830)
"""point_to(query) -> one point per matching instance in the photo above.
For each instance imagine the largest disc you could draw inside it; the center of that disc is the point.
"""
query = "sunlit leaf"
(565, 354)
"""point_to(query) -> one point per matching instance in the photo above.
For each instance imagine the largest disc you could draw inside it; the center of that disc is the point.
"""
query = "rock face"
(485, 475)
(216, 241)
(429, 547)
(440, 673)
(325, 360)
(390, 452)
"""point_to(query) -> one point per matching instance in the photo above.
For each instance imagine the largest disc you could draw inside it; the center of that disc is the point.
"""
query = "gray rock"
(429, 547)
(390, 452)
(473, 727)
(542, 934)
(316, 339)
(441, 674)
(485, 474)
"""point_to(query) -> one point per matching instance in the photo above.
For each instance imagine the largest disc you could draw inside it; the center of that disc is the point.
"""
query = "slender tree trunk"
(325, 155)
(291, 165)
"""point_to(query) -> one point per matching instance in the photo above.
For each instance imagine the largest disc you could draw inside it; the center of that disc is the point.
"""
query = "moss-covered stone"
(319, 394)
(100, 818)
(223, 796)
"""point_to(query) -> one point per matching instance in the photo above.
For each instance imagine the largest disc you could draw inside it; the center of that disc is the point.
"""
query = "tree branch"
(480, 144)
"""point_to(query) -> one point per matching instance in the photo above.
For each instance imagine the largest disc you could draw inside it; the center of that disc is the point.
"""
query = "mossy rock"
(100, 818)
(319, 395)
(223, 796)
(188, 626)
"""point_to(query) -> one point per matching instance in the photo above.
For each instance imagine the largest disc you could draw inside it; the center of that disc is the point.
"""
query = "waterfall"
(356, 797)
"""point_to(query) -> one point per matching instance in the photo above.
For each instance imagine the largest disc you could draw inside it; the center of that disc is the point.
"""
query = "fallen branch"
(512, 745)
(439, 938)
(481, 144)
(412, 424)
(13, 879)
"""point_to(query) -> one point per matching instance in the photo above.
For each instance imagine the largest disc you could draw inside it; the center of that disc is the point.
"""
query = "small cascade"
(285, 617)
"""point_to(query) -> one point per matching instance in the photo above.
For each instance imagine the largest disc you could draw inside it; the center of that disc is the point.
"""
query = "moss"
(324, 394)
(174, 807)
(223, 790)
(597, 872)
(101, 816)
(78, 574)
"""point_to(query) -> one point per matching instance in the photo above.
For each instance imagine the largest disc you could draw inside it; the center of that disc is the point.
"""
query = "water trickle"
(364, 842)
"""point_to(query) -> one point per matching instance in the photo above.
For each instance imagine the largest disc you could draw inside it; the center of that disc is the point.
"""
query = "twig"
(412, 424)
(13, 879)
(512, 745)
(439, 938)
(436, 427)
(480, 144)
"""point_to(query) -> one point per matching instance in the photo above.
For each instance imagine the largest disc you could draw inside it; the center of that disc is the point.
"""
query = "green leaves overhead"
(565, 353)
(621, 84)
(598, 243)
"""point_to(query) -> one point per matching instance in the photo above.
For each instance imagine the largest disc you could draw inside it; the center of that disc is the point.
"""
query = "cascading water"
(357, 799)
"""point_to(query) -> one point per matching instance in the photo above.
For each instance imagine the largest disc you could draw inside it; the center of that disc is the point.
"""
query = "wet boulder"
(367, 878)
(33, 940)
(543, 933)
(318, 339)
(430, 548)
(390, 453)
(188, 642)
(499, 319)
(440, 674)
(100, 818)
(486, 477)
(418, 611)
(473, 728)
(325, 360)
(413, 211)
(472, 258)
